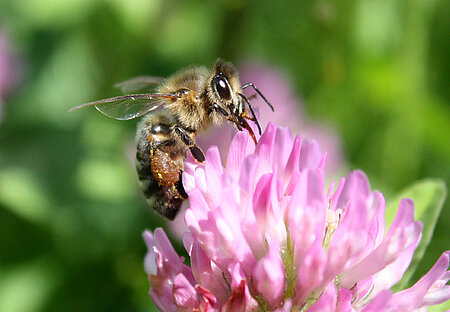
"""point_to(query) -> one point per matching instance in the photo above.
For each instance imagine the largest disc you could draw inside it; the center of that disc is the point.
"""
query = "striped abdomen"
(159, 164)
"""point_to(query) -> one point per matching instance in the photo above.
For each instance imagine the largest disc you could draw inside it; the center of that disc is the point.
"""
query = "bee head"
(225, 87)
(226, 99)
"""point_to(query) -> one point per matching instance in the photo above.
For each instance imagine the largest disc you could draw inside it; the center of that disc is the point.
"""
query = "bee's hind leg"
(180, 188)
(196, 151)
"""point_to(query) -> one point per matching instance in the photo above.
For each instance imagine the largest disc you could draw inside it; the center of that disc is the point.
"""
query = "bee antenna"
(250, 84)
(252, 111)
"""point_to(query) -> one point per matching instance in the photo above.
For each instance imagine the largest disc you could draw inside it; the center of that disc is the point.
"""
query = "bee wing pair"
(139, 84)
(131, 106)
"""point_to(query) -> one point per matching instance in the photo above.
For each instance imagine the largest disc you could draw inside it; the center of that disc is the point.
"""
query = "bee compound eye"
(221, 86)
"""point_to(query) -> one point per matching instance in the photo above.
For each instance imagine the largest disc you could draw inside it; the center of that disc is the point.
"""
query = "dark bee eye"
(220, 84)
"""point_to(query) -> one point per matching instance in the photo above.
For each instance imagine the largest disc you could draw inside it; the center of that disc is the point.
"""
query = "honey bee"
(192, 99)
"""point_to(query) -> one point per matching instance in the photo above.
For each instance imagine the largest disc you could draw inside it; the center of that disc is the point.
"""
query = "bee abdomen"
(169, 202)
(160, 181)
(147, 182)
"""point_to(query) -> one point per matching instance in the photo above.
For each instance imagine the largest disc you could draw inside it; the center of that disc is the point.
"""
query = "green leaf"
(445, 306)
(429, 196)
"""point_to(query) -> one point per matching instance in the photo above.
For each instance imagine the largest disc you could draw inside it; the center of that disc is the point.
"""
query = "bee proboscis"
(192, 99)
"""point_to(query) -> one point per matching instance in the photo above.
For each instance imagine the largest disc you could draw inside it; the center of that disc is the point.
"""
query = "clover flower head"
(266, 234)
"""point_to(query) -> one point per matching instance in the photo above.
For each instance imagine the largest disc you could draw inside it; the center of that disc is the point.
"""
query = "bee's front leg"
(196, 151)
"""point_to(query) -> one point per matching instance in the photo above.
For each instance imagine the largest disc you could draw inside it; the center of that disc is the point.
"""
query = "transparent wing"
(139, 84)
(129, 106)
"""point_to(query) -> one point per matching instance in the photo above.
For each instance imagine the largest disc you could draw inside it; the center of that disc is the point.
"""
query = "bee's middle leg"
(196, 151)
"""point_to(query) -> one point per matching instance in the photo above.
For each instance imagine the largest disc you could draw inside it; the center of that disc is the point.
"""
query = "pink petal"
(269, 275)
(213, 171)
(266, 206)
(251, 231)
(232, 245)
(414, 296)
(355, 222)
(220, 234)
(184, 294)
(237, 275)
(404, 216)
(205, 275)
(306, 216)
(265, 149)
(311, 273)
(380, 302)
(439, 292)
(161, 293)
(309, 189)
(199, 208)
(200, 178)
(292, 164)
(394, 271)
(293, 181)
(310, 155)
(168, 266)
(437, 296)
(240, 299)
(330, 190)
(188, 242)
(322, 162)
(341, 253)
(356, 188)
(362, 289)
(208, 303)
(249, 174)
(188, 177)
(327, 301)
(378, 227)
(337, 194)
(282, 147)
(400, 247)
(241, 146)
(262, 197)
(167, 260)
(150, 257)
(344, 302)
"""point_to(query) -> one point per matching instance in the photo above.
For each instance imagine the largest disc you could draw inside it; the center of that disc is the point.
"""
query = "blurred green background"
(71, 214)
